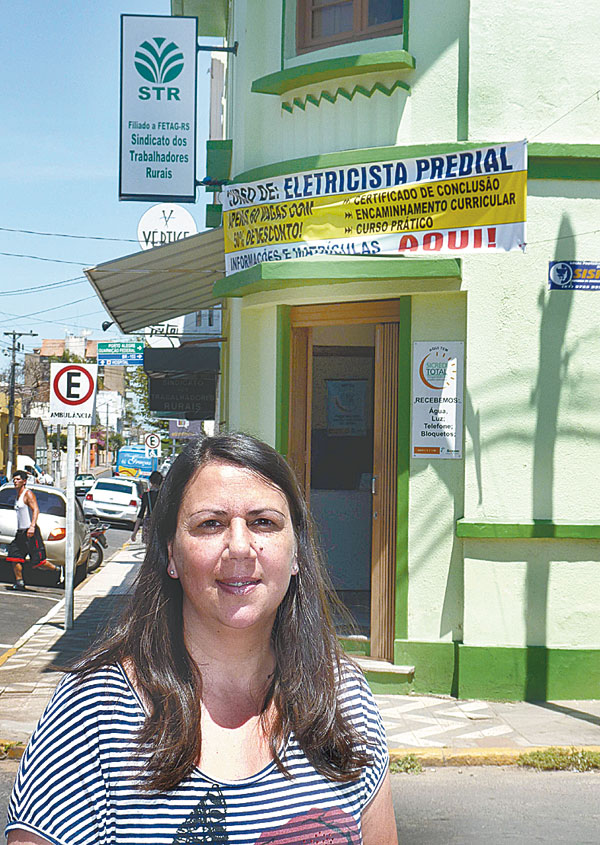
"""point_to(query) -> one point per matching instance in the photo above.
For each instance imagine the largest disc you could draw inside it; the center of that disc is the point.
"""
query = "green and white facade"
(496, 582)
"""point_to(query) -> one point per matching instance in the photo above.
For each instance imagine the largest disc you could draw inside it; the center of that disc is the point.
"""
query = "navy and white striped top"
(78, 782)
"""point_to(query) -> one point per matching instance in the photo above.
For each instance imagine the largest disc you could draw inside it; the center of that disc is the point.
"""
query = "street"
(494, 805)
(19, 611)
(475, 806)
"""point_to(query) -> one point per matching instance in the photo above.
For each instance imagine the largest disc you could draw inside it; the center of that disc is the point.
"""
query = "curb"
(476, 756)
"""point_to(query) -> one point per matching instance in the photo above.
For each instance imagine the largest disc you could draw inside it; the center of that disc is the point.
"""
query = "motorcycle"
(98, 544)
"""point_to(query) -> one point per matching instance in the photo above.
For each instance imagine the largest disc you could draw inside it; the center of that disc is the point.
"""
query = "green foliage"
(561, 759)
(408, 765)
(137, 410)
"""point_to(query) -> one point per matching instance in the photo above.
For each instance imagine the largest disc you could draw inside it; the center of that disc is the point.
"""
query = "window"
(322, 23)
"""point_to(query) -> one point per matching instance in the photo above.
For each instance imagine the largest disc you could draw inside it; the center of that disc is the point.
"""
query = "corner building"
(477, 576)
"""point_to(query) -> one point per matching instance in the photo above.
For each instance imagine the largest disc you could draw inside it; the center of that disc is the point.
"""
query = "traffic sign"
(72, 393)
(118, 353)
(152, 445)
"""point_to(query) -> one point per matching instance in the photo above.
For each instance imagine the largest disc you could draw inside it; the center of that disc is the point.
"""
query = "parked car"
(114, 500)
(52, 502)
(36, 473)
(83, 482)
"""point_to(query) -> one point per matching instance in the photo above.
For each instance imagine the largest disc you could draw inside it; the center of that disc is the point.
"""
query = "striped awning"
(159, 284)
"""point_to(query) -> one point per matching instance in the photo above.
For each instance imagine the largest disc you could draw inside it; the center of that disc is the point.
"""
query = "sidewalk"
(440, 730)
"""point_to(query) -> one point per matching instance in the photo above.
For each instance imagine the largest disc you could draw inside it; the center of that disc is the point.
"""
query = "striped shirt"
(79, 784)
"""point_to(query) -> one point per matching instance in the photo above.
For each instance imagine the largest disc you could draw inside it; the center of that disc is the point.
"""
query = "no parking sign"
(72, 393)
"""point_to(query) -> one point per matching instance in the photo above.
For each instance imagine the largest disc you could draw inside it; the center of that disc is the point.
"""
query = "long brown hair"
(309, 662)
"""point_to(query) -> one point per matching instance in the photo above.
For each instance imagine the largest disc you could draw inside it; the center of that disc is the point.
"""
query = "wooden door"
(385, 458)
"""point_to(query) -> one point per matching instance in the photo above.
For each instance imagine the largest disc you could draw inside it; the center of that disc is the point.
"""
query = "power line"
(63, 235)
(40, 258)
(75, 279)
(595, 94)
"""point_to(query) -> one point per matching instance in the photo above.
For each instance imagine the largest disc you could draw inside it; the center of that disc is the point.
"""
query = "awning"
(158, 284)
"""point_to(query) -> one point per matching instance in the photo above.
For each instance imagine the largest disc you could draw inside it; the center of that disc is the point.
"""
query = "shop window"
(322, 23)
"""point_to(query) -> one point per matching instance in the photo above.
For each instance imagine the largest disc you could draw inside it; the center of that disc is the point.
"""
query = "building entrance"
(342, 443)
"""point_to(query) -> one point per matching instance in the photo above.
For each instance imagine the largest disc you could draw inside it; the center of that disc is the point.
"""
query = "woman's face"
(233, 550)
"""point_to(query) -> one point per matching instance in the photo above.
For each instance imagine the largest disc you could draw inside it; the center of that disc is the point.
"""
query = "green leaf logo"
(158, 62)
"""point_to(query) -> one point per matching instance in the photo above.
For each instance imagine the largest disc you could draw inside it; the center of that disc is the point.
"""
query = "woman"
(221, 709)
(148, 501)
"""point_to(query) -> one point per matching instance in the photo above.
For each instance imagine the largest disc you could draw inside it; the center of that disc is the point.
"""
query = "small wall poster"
(437, 399)
(346, 407)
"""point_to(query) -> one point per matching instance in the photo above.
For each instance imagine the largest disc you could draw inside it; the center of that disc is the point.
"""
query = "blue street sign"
(134, 359)
(574, 275)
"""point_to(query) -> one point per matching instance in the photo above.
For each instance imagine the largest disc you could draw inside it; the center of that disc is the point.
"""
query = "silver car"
(52, 502)
(114, 500)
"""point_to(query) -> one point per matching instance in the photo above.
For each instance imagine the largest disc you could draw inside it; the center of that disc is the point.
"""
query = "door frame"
(380, 313)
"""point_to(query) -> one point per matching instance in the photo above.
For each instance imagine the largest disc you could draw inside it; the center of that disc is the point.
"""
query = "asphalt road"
(479, 806)
(19, 611)
(495, 805)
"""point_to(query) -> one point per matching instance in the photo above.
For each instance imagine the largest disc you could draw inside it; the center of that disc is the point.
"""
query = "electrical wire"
(40, 258)
(63, 235)
(53, 285)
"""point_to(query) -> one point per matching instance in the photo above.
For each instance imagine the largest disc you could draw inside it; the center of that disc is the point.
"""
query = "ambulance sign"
(72, 393)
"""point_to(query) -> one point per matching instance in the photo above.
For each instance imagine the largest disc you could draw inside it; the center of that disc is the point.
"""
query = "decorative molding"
(299, 76)
(301, 102)
(535, 529)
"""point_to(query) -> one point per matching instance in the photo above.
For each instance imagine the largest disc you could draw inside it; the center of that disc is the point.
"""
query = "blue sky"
(59, 148)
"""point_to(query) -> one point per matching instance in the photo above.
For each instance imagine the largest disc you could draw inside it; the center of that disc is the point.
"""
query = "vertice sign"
(158, 108)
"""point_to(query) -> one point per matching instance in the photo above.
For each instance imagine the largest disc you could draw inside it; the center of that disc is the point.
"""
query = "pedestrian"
(148, 501)
(28, 539)
(221, 709)
(3, 477)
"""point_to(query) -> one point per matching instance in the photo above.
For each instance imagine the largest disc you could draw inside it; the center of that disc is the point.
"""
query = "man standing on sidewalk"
(28, 539)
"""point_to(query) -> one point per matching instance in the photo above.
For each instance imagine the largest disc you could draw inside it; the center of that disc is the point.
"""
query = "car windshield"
(115, 487)
(48, 502)
(84, 477)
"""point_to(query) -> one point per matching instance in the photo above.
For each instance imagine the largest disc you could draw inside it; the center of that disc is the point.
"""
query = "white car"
(114, 500)
(52, 502)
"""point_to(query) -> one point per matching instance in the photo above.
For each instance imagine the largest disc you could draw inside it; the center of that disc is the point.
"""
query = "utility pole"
(10, 458)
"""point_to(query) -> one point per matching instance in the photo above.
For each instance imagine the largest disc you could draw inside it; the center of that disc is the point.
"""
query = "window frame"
(360, 29)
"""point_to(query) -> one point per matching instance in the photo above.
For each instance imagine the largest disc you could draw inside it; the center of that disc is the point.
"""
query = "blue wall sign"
(574, 275)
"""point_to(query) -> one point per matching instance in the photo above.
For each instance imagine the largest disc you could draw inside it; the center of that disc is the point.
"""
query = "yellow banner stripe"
(449, 204)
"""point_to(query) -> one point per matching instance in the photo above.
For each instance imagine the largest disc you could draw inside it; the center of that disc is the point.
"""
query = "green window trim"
(380, 87)
(546, 161)
(314, 72)
(535, 529)
(218, 161)
(446, 273)
(211, 14)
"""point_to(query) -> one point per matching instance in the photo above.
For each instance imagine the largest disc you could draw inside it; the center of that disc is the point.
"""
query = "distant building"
(33, 440)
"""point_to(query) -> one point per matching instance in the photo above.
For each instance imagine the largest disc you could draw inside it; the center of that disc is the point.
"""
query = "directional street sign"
(72, 393)
(119, 353)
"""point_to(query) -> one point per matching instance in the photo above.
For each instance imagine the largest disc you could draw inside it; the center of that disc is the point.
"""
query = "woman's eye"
(209, 525)
(264, 522)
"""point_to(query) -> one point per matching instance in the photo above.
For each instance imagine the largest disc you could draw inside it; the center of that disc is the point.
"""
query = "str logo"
(159, 63)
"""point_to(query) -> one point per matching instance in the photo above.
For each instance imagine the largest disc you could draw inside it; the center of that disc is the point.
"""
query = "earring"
(294, 568)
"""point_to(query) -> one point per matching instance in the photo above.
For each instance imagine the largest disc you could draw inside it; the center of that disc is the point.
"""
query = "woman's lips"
(238, 586)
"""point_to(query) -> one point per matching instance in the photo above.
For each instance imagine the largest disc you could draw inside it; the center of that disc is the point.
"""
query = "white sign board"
(152, 445)
(158, 108)
(72, 393)
(437, 399)
(165, 224)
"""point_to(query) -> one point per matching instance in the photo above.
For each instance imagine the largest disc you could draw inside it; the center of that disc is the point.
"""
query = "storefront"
(473, 571)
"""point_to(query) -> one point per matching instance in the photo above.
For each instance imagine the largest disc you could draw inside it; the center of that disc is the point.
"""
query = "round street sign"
(152, 441)
(73, 384)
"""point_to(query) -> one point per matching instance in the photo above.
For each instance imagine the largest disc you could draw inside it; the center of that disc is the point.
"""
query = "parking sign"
(72, 393)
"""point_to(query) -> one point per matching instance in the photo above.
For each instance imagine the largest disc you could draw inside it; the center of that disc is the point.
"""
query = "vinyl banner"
(158, 108)
(455, 203)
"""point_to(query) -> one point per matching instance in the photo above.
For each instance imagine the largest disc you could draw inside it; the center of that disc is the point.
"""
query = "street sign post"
(120, 354)
(72, 398)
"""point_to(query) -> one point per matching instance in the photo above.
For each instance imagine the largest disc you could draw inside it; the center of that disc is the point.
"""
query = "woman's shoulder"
(98, 689)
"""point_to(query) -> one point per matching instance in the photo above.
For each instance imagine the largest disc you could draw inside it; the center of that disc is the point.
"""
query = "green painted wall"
(506, 618)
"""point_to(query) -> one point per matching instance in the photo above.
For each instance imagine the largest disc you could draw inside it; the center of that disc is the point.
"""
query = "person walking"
(3, 477)
(28, 539)
(148, 501)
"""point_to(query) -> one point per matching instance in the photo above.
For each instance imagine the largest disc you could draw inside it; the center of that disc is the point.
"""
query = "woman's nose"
(239, 538)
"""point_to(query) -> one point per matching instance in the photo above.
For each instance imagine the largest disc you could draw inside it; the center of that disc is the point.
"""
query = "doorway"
(343, 446)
